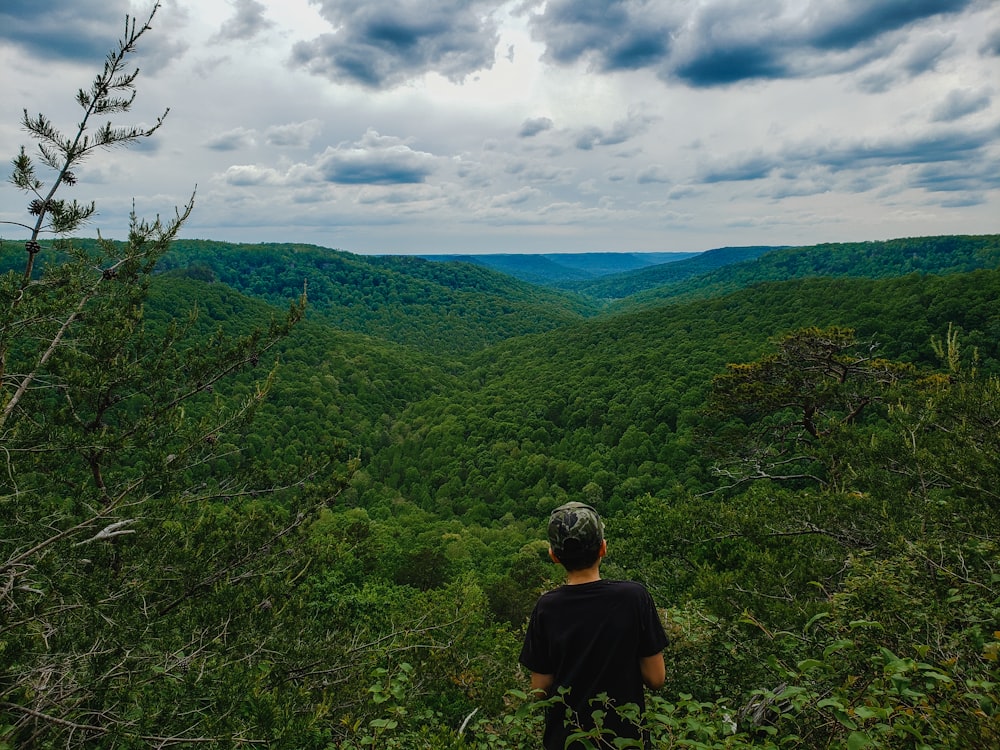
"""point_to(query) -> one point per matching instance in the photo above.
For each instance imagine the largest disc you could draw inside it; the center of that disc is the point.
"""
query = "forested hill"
(875, 260)
(435, 307)
(617, 401)
(619, 285)
(558, 269)
(457, 307)
(613, 401)
(340, 526)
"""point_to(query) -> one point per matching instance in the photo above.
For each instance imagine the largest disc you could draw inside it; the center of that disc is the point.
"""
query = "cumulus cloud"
(653, 174)
(294, 135)
(372, 160)
(515, 198)
(609, 105)
(959, 103)
(375, 160)
(741, 169)
(615, 35)
(384, 43)
(970, 178)
(927, 53)
(250, 175)
(77, 30)
(887, 151)
(842, 24)
(248, 21)
(62, 30)
(904, 60)
(534, 126)
(530, 170)
(935, 161)
(720, 42)
(232, 140)
(635, 123)
(991, 47)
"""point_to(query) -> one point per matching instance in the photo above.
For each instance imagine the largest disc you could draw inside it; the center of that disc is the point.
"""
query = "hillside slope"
(616, 401)
(876, 260)
(556, 269)
(437, 307)
(632, 282)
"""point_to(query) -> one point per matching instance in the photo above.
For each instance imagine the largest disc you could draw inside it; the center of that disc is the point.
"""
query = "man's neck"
(587, 575)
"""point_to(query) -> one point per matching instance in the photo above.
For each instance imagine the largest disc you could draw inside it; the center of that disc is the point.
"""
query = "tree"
(136, 586)
(790, 402)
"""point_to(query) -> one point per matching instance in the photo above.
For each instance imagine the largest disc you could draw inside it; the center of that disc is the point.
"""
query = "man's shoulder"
(627, 589)
(603, 587)
(626, 585)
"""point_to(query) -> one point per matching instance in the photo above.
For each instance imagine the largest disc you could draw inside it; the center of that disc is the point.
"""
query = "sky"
(529, 126)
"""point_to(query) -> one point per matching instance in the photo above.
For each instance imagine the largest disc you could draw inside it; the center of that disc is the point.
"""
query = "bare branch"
(110, 531)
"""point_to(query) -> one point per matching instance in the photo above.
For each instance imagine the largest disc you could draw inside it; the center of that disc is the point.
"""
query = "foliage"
(341, 549)
(136, 581)
(942, 255)
(445, 308)
(817, 384)
(622, 285)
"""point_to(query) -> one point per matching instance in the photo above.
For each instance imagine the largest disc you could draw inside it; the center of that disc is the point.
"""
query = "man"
(590, 635)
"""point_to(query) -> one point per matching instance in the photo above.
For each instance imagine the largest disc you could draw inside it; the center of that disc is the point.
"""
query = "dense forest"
(428, 452)
(290, 496)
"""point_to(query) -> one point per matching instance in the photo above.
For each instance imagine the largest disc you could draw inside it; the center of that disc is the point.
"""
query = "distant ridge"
(560, 268)
(625, 284)
(435, 307)
(940, 255)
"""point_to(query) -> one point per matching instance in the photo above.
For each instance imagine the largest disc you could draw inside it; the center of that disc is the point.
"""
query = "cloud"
(295, 134)
(232, 140)
(754, 167)
(249, 175)
(375, 160)
(844, 24)
(979, 178)
(635, 123)
(941, 146)
(82, 30)
(927, 53)
(959, 103)
(531, 170)
(515, 198)
(385, 43)
(722, 42)
(940, 158)
(534, 126)
(76, 31)
(991, 47)
(247, 21)
(727, 108)
(653, 174)
(615, 35)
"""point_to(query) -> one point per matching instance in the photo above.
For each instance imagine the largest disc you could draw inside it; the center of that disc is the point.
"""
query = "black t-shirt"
(590, 636)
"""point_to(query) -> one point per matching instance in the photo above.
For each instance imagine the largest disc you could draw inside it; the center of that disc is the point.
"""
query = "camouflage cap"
(575, 527)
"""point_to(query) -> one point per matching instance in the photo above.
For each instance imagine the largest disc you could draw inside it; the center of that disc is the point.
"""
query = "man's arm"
(542, 683)
(654, 672)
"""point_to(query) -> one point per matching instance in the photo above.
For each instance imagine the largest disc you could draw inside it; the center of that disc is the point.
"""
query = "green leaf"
(836, 646)
(854, 624)
(814, 619)
(867, 712)
(857, 741)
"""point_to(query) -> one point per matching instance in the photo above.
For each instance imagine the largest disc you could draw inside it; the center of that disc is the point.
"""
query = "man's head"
(576, 535)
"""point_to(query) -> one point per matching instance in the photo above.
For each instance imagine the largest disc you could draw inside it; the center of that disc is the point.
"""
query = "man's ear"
(552, 554)
(604, 548)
